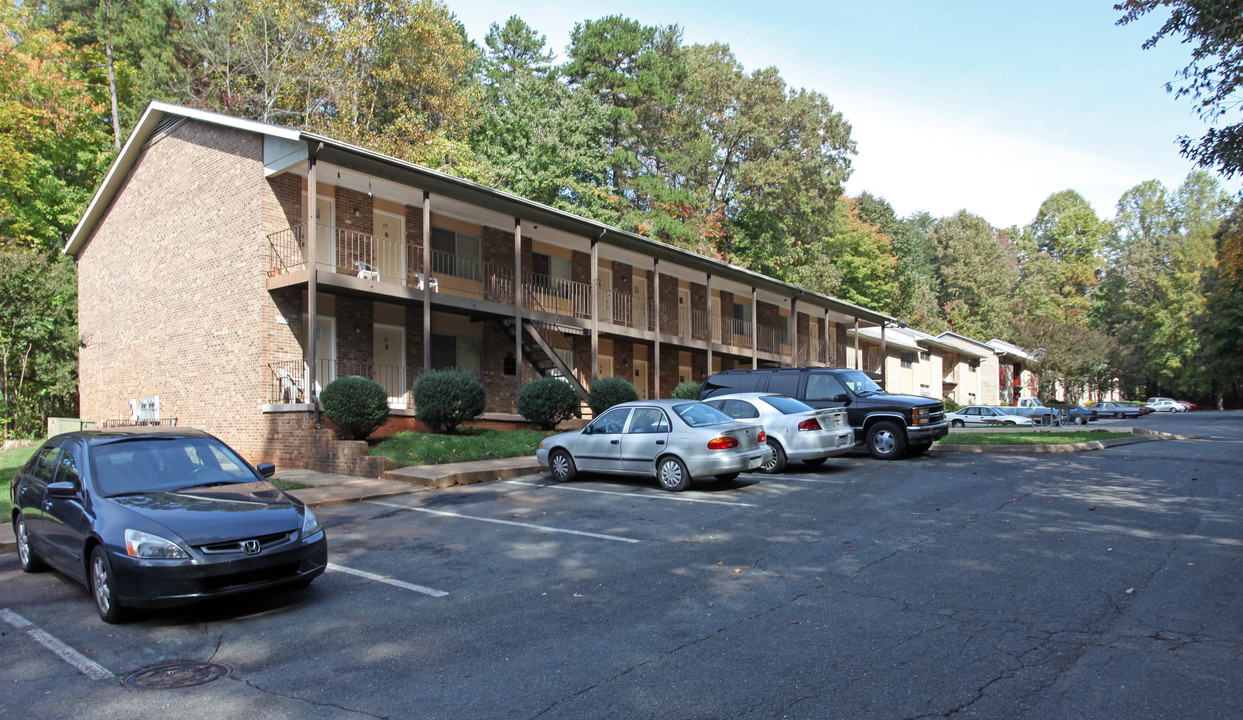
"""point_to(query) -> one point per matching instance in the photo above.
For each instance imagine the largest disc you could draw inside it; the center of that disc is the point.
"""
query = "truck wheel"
(886, 440)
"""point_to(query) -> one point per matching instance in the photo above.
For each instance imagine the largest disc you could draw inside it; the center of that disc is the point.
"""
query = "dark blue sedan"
(152, 519)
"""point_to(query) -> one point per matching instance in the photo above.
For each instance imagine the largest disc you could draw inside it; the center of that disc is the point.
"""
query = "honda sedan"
(796, 430)
(673, 440)
(151, 519)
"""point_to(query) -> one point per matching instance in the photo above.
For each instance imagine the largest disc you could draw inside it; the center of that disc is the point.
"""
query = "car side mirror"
(841, 398)
(62, 490)
(266, 469)
(587, 430)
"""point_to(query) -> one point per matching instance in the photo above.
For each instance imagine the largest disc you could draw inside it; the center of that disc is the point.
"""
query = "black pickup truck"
(888, 424)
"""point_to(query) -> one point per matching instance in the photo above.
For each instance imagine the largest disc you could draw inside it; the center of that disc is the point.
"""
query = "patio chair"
(366, 270)
(291, 387)
(418, 283)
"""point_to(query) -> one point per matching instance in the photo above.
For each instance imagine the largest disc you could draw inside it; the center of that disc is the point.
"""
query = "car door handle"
(614, 442)
(660, 442)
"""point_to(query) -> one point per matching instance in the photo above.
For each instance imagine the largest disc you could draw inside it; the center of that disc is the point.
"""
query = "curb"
(1141, 436)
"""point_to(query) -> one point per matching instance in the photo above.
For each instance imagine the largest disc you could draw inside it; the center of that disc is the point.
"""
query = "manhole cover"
(171, 676)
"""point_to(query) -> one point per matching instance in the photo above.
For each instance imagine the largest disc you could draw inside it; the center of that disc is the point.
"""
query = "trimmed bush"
(356, 405)
(444, 399)
(548, 401)
(951, 406)
(688, 390)
(607, 392)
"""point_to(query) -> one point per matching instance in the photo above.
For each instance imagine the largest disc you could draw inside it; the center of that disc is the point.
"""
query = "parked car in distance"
(1077, 414)
(145, 517)
(674, 440)
(1167, 405)
(1187, 404)
(1043, 414)
(795, 430)
(1118, 410)
(985, 416)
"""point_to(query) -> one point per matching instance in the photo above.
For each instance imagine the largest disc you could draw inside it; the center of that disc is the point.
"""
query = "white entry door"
(640, 378)
(640, 303)
(325, 351)
(605, 295)
(326, 232)
(389, 249)
(389, 357)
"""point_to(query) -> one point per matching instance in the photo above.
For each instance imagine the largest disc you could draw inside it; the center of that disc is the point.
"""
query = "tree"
(977, 276)
(38, 340)
(1211, 79)
(1073, 356)
(54, 141)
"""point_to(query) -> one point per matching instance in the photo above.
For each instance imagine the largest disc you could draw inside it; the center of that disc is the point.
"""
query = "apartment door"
(389, 246)
(640, 378)
(325, 351)
(389, 358)
(640, 303)
(605, 293)
(606, 367)
(325, 228)
(684, 312)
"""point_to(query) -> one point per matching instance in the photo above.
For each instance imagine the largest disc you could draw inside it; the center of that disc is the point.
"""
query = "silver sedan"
(674, 440)
(796, 430)
(981, 415)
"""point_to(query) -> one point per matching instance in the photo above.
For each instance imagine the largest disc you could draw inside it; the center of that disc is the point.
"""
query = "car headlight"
(145, 545)
(310, 523)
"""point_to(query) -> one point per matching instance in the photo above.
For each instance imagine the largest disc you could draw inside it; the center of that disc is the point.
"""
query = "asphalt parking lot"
(1102, 584)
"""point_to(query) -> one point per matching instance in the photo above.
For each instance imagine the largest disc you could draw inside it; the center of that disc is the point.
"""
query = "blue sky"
(986, 105)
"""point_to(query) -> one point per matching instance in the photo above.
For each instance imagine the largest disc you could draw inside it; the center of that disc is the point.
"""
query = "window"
(908, 360)
(925, 391)
(823, 387)
(43, 468)
(456, 254)
(552, 274)
(784, 383)
(69, 468)
(971, 397)
(649, 420)
(783, 325)
(612, 421)
(974, 365)
(742, 314)
(455, 351)
(925, 356)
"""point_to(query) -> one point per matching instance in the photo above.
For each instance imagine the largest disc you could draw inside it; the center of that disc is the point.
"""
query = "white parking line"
(387, 580)
(85, 665)
(649, 496)
(543, 528)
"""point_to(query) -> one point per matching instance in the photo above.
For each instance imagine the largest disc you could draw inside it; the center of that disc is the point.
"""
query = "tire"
(814, 462)
(1081, 421)
(777, 462)
(103, 587)
(561, 466)
(957, 423)
(918, 448)
(672, 474)
(1009, 423)
(886, 440)
(726, 477)
(29, 561)
(1119, 416)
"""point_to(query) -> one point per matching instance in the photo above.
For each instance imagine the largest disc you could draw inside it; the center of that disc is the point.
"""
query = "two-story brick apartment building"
(220, 254)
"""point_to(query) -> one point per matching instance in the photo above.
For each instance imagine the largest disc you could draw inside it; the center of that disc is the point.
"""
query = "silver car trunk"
(746, 435)
(832, 418)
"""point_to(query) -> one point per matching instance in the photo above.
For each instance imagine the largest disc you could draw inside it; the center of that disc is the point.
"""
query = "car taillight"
(762, 437)
(809, 424)
(722, 443)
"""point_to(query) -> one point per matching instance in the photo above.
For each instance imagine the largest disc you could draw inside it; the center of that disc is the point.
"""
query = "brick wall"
(172, 286)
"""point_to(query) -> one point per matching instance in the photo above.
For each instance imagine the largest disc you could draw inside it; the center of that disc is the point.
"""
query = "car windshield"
(701, 415)
(859, 383)
(786, 405)
(164, 464)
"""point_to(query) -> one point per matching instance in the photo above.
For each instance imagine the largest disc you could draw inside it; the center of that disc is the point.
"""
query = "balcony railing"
(371, 257)
(287, 379)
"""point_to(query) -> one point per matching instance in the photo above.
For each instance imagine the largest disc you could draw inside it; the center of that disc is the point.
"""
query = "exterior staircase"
(538, 352)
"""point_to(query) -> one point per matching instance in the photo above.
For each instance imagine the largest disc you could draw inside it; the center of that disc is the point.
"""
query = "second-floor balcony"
(394, 266)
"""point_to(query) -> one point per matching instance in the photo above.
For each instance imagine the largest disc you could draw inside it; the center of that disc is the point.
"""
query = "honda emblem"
(250, 547)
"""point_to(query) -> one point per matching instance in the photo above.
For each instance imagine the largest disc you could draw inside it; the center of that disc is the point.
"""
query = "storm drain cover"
(171, 676)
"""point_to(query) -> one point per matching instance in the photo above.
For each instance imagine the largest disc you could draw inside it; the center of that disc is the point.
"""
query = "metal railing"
(287, 379)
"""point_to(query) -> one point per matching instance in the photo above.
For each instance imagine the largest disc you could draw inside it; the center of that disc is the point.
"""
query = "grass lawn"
(1028, 438)
(412, 448)
(10, 462)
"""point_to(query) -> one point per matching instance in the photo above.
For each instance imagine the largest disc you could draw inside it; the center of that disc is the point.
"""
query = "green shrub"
(607, 392)
(444, 399)
(548, 401)
(356, 405)
(688, 390)
(951, 406)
